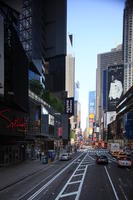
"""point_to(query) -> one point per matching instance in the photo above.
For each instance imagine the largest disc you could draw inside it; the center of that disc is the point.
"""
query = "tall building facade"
(128, 45)
(32, 37)
(70, 68)
(13, 86)
(33, 46)
(44, 41)
(114, 57)
(70, 78)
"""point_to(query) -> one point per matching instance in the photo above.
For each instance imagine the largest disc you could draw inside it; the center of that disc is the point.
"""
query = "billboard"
(115, 85)
(91, 116)
(104, 89)
(110, 117)
(1, 56)
(69, 106)
(92, 102)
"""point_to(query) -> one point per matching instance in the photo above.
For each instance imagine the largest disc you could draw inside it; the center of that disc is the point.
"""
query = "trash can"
(44, 159)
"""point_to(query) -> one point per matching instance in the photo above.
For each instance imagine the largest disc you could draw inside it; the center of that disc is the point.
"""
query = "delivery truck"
(114, 147)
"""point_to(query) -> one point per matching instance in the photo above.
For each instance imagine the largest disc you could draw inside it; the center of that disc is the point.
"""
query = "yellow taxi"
(115, 154)
(121, 154)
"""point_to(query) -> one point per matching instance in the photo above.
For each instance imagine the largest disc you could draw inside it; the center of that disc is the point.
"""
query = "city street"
(80, 178)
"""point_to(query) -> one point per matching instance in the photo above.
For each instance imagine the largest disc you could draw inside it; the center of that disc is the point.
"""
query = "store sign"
(69, 106)
(51, 120)
(60, 131)
(17, 122)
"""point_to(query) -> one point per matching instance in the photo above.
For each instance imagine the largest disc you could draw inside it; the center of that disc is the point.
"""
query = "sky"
(97, 27)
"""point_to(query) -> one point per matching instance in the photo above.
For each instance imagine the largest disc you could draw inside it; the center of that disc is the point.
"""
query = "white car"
(124, 162)
(65, 156)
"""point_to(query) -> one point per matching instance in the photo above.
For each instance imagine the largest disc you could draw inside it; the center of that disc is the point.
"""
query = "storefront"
(13, 129)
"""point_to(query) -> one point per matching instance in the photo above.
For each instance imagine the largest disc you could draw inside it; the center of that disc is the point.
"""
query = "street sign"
(69, 106)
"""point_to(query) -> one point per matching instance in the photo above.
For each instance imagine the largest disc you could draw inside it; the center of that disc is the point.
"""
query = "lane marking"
(116, 196)
(69, 194)
(81, 184)
(78, 175)
(49, 182)
(122, 190)
(91, 157)
(74, 182)
(60, 195)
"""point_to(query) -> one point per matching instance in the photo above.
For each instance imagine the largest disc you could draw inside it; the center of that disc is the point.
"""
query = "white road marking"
(77, 193)
(91, 157)
(113, 160)
(78, 175)
(49, 182)
(122, 189)
(74, 182)
(80, 187)
(69, 194)
(116, 196)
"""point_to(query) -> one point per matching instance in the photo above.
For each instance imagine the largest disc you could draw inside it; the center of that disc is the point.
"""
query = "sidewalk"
(13, 174)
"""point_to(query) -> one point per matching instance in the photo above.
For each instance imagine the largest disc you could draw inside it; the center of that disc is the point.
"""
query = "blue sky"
(97, 27)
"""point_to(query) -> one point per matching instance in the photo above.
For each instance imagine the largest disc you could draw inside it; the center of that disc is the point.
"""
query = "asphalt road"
(80, 178)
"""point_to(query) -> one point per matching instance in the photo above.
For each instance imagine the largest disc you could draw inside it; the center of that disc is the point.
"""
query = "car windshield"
(102, 156)
(126, 159)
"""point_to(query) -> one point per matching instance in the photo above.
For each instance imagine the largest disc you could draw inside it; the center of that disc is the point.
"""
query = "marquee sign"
(17, 122)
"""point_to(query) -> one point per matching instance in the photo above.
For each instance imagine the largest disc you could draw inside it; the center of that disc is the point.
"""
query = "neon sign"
(15, 123)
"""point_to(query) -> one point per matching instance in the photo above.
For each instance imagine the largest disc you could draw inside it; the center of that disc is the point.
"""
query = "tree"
(36, 87)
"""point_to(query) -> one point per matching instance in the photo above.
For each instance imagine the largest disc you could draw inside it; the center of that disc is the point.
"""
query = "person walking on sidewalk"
(40, 155)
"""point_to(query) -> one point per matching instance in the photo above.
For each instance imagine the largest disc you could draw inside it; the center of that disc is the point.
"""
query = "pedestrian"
(40, 155)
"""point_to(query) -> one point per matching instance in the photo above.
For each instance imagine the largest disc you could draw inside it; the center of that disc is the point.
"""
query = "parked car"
(124, 162)
(102, 159)
(65, 156)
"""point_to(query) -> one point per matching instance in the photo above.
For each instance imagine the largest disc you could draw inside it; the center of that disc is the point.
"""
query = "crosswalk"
(92, 153)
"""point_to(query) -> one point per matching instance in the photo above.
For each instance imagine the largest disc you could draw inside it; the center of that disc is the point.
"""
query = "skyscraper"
(114, 57)
(128, 45)
(70, 68)
(43, 37)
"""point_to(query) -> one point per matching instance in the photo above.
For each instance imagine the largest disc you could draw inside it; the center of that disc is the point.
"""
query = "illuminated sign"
(90, 130)
(60, 131)
(91, 116)
(14, 123)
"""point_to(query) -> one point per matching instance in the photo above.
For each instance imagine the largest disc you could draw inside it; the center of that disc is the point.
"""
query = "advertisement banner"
(104, 89)
(115, 85)
(51, 120)
(111, 116)
(90, 130)
(91, 116)
(92, 102)
(1, 56)
(69, 106)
